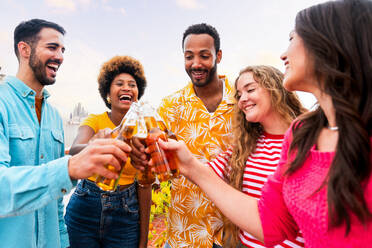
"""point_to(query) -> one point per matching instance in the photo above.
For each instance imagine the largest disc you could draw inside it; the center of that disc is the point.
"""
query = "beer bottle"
(172, 159)
(158, 156)
(125, 132)
(146, 177)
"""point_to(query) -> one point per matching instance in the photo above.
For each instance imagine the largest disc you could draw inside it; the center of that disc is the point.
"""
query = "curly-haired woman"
(97, 218)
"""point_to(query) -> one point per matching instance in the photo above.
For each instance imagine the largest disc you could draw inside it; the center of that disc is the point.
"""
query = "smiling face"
(201, 59)
(299, 68)
(123, 91)
(47, 55)
(253, 100)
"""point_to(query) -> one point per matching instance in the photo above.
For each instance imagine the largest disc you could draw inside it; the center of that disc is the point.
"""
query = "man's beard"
(207, 80)
(39, 69)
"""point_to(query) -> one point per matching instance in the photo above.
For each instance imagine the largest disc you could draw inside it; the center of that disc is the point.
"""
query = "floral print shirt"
(193, 219)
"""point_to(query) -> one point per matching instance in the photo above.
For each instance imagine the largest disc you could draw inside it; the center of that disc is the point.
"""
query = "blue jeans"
(97, 218)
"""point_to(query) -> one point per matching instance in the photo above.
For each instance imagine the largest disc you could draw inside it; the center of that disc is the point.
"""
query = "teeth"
(54, 66)
(249, 106)
(125, 97)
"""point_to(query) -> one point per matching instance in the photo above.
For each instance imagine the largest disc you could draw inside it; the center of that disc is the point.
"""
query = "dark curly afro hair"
(116, 66)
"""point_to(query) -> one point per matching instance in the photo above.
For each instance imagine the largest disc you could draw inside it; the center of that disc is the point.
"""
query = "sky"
(252, 32)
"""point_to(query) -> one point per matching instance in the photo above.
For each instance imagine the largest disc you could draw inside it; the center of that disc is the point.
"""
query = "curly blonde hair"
(246, 134)
(115, 66)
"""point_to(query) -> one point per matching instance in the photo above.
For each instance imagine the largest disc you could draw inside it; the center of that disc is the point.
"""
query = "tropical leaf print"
(193, 220)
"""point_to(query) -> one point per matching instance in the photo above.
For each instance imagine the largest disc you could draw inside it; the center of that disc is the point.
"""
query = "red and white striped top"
(260, 164)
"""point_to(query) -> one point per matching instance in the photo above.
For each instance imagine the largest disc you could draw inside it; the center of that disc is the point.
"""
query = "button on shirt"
(33, 172)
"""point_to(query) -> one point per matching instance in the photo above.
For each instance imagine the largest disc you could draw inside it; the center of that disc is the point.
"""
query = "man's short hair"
(28, 31)
(203, 28)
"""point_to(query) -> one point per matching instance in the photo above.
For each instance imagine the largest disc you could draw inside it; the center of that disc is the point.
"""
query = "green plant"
(159, 209)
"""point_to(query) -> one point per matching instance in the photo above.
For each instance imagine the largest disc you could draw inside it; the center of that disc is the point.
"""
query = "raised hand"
(187, 161)
(93, 158)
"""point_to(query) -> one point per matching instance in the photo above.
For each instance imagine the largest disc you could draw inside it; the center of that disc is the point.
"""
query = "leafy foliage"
(159, 210)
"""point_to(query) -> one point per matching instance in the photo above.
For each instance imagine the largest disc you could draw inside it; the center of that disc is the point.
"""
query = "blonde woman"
(263, 113)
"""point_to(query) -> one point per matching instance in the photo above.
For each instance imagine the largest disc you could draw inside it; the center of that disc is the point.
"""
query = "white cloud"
(189, 4)
(77, 79)
(5, 37)
(84, 2)
(123, 11)
(108, 8)
(8, 61)
(66, 5)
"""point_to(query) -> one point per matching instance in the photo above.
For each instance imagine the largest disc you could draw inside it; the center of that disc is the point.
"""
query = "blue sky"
(252, 32)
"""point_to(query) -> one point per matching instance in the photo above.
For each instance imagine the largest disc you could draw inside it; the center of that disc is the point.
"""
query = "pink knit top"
(292, 203)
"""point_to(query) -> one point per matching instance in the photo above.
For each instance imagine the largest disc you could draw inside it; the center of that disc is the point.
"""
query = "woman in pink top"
(323, 183)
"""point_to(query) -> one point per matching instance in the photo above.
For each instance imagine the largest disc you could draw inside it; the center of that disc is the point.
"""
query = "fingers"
(137, 163)
(137, 155)
(104, 171)
(115, 142)
(171, 144)
(96, 156)
(137, 145)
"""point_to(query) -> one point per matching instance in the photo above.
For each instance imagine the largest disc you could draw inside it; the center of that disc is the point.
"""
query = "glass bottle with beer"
(173, 162)
(124, 132)
(145, 177)
(165, 164)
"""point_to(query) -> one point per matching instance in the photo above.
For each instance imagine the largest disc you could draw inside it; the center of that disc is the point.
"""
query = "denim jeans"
(97, 218)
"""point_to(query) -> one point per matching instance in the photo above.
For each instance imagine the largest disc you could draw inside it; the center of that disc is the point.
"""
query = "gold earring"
(108, 100)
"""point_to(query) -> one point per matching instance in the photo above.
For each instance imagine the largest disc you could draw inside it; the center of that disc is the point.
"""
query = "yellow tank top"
(102, 121)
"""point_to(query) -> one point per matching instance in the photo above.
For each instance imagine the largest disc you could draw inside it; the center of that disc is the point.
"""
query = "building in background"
(78, 114)
(71, 125)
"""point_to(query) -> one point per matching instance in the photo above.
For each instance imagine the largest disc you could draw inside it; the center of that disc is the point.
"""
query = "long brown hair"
(338, 37)
(246, 134)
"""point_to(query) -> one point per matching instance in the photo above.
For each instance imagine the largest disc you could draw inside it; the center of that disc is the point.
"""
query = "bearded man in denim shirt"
(34, 173)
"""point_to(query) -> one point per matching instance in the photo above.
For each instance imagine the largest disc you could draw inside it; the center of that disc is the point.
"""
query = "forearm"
(144, 199)
(241, 209)
(27, 188)
(75, 149)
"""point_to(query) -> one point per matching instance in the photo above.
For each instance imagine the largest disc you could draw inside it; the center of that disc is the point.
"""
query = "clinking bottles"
(126, 130)
(165, 164)
(172, 159)
(143, 123)
(158, 155)
(145, 177)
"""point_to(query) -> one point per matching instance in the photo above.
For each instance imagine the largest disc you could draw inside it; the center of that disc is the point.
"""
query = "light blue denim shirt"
(33, 170)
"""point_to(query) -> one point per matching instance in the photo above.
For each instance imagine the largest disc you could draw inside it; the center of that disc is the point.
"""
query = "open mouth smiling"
(125, 97)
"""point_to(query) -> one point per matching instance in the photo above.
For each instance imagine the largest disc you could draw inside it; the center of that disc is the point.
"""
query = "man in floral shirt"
(199, 114)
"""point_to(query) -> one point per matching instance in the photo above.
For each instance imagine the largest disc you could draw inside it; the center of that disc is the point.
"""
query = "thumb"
(171, 144)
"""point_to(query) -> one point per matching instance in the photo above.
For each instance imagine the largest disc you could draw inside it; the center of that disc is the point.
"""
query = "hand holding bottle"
(93, 158)
(185, 159)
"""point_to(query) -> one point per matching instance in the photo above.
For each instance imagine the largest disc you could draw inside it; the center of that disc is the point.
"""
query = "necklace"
(335, 128)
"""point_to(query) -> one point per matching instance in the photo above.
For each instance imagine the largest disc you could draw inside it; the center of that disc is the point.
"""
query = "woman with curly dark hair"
(97, 218)
(323, 184)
